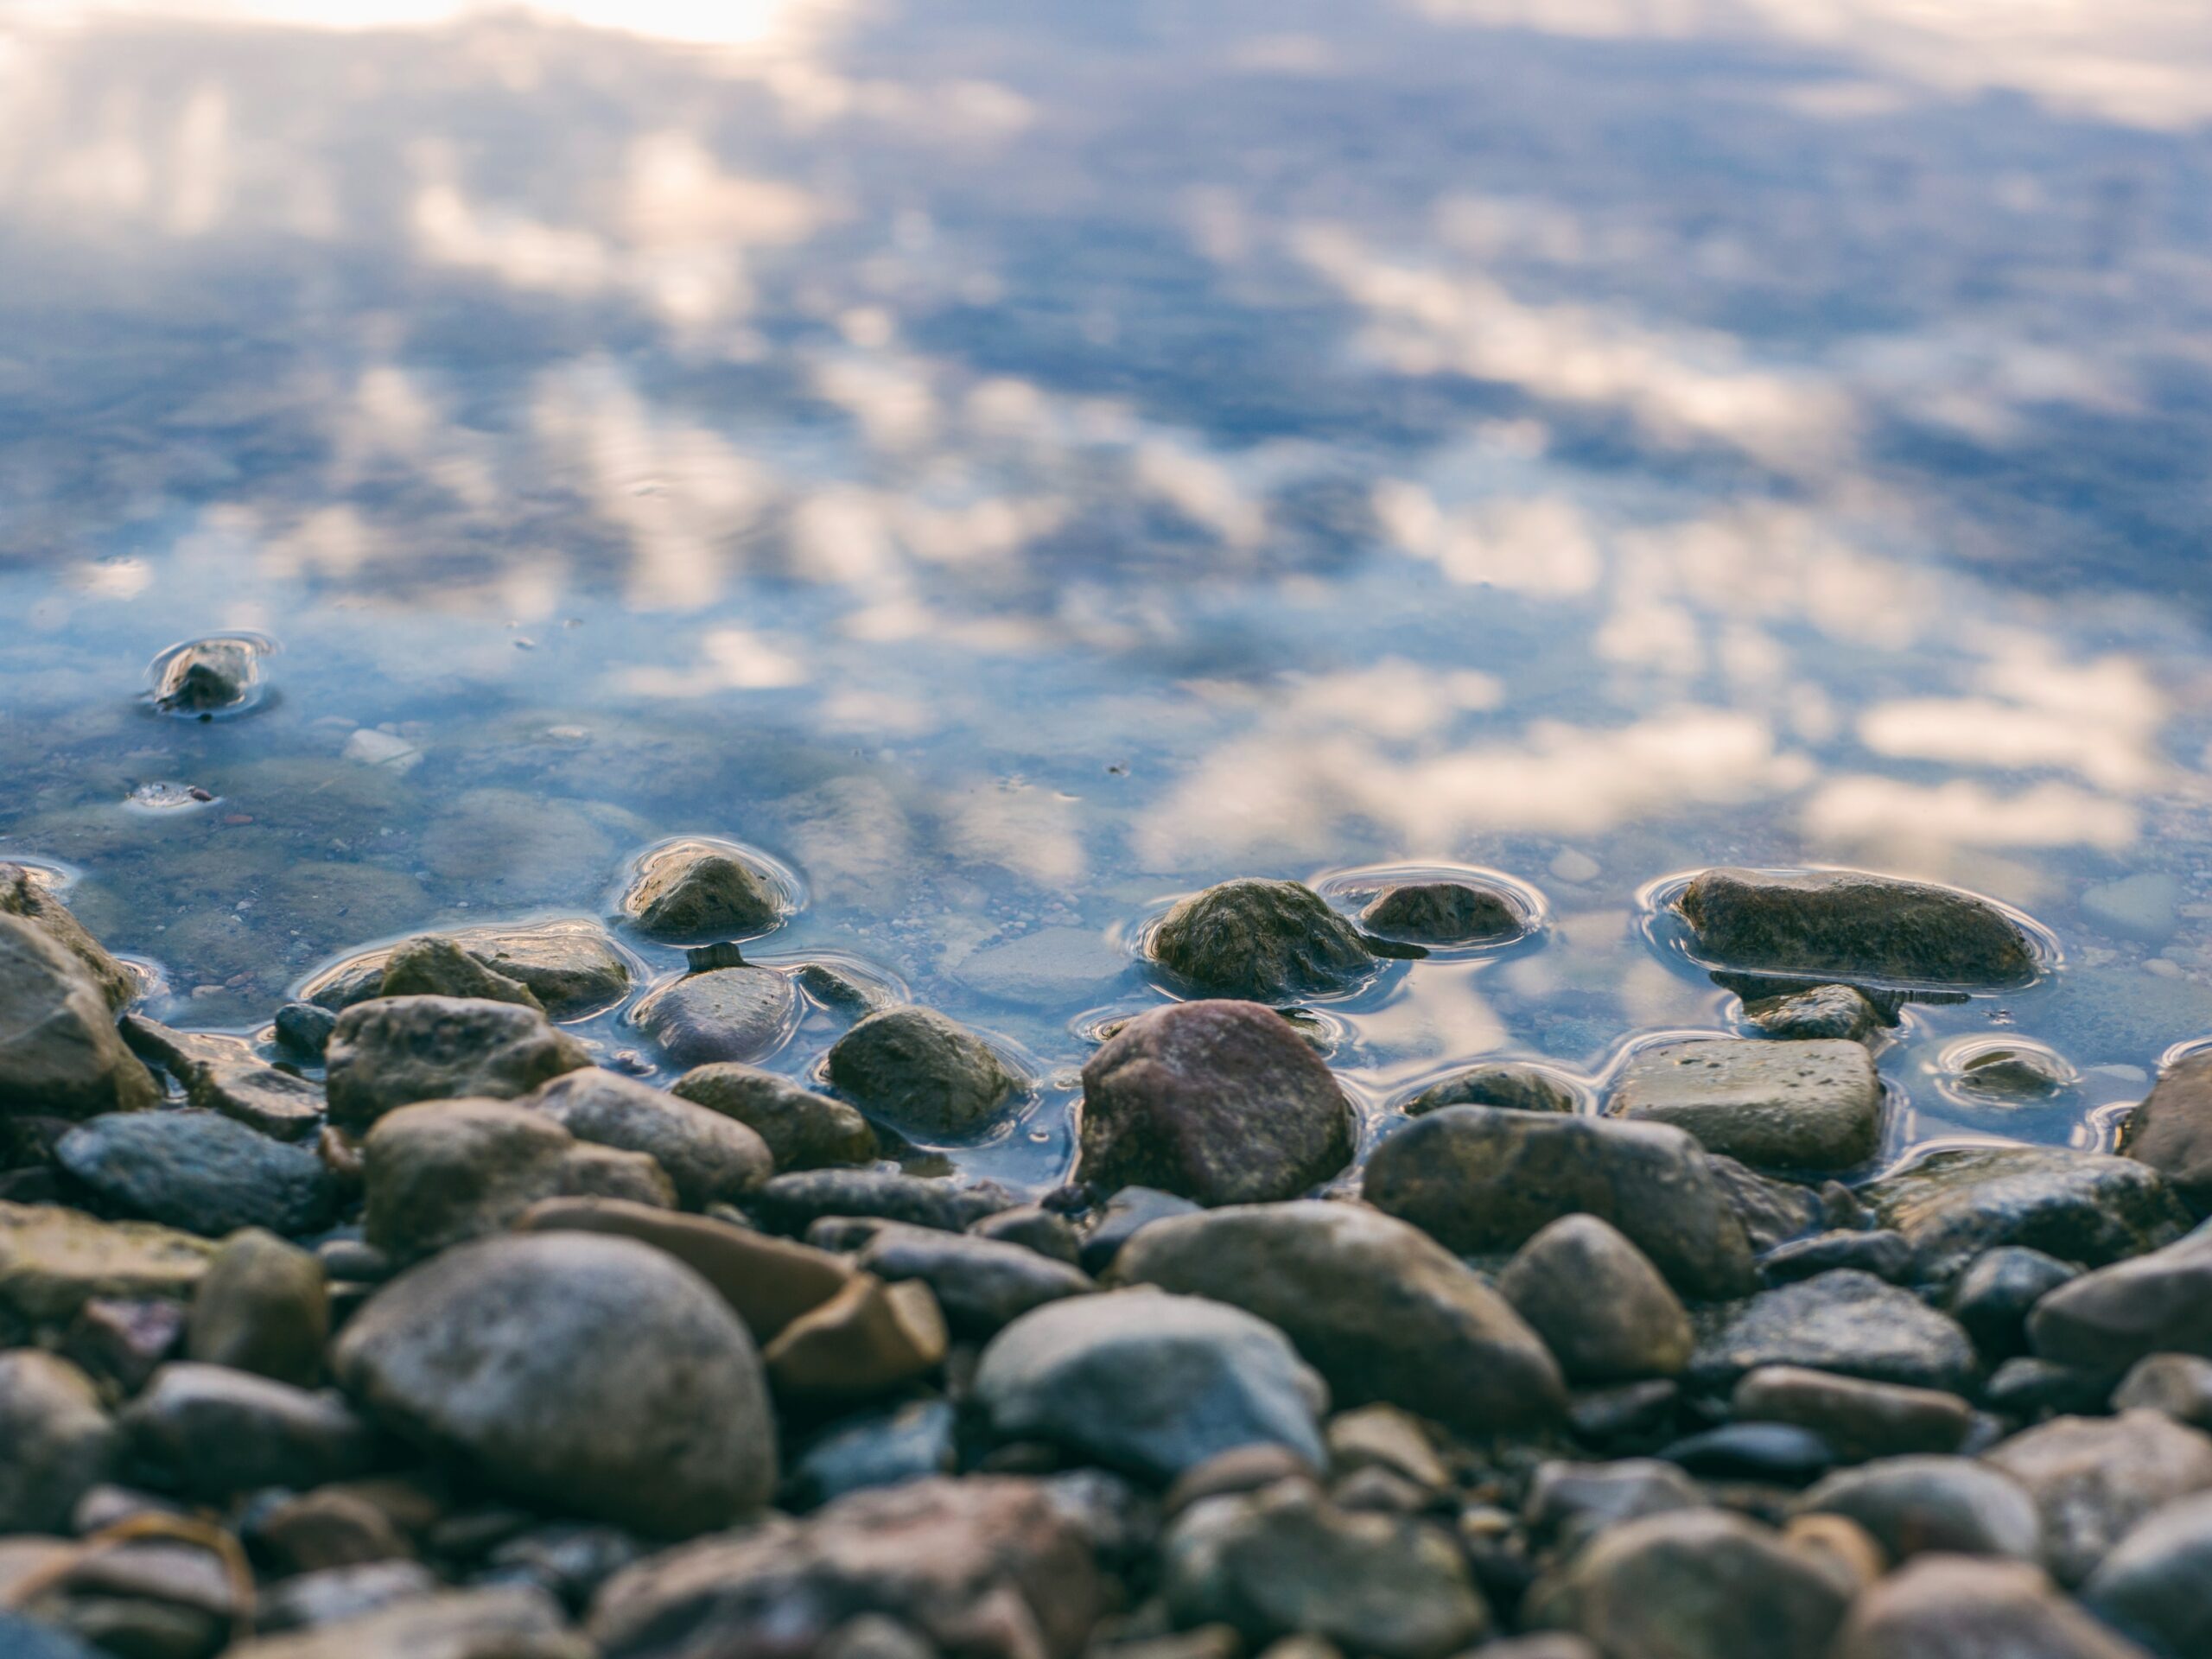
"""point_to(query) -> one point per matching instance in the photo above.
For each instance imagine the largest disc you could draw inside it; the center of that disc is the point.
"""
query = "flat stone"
(981, 1286)
(1220, 1102)
(2094, 1479)
(1938, 1505)
(53, 1260)
(59, 1441)
(1480, 1179)
(1841, 1013)
(1283, 1561)
(1797, 1105)
(985, 1567)
(2159, 1303)
(2172, 1130)
(1380, 1309)
(393, 1052)
(2078, 1206)
(1513, 1085)
(1598, 1304)
(262, 1307)
(27, 897)
(869, 1338)
(1943, 1606)
(1270, 940)
(791, 1204)
(212, 1432)
(431, 964)
(1701, 1584)
(803, 1131)
(590, 1372)
(690, 891)
(769, 1281)
(1149, 1384)
(730, 1013)
(572, 966)
(1855, 924)
(59, 1052)
(922, 1074)
(495, 1621)
(1849, 1323)
(2180, 1385)
(264, 1099)
(1442, 913)
(711, 1158)
(1885, 1253)
(198, 1171)
(2153, 1586)
(1858, 1419)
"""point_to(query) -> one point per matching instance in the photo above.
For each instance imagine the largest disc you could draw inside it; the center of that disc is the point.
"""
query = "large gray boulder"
(591, 1373)
(1379, 1308)
(922, 1073)
(1481, 1179)
(1148, 1383)
(1222, 1102)
(59, 1052)
(392, 1052)
(1814, 1105)
(1856, 925)
(1270, 941)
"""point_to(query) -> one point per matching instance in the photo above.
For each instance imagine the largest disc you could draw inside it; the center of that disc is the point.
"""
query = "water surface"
(1018, 463)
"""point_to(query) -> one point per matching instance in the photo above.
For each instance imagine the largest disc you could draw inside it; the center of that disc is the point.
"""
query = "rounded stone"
(1510, 1083)
(431, 965)
(1220, 1102)
(1598, 1304)
(262, 1307)
(1941, 1504)
(803, 1131)
(2156, 1585)
(392, 1052)
(1849, 923)
(1442, 913)
(711, 1158)
(922, 1073)
(2094, 1479)
(1942, 1606)
(200, 1171)
(729, 1013)
(59, 1442)
(692, 890)
(1267, 940)
(1845, 1321)
(588, 1372)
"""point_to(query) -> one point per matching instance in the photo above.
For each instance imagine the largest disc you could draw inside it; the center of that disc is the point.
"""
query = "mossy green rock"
(1266, 940)
(921, 1073)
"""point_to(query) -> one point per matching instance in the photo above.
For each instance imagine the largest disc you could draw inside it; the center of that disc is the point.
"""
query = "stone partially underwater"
(421, 1327)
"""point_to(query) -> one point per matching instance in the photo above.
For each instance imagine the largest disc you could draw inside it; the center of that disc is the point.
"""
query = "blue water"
(1018, 463)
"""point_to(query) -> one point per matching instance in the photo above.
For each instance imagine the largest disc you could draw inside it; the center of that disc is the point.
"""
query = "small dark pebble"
(1119, 1219)
(1780, 1453)
(304, 1029)
(1994, 1295)
(1635, 1413)
(791, 1203)
(705, 958)
(1885, 1255)
(1035, 1228)
(884, 1449)
(2029, 1387)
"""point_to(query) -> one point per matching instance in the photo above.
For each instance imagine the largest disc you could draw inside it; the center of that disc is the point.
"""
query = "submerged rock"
(2171, 1131)
(1849, 923)
(1221, 1102)
(803, 1131)
(59, 1052)
(208, 676)
(1479, 1179)
(395, 1050)
(1513, 1085)
(1442, 912)
(1283, 1561)
(1267, 940)
(1378, 1307)
(592, 1374)
(26, 897)
(921, 1073)
(2078, 1206)
(691, 891)
(729, 1013)
(431, 965)
(987, 1568)
(201, 1172)
(572, 966)
(1815, 1104)
(1148, 1383)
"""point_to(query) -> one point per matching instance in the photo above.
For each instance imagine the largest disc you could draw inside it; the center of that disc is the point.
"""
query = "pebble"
(393, 1052)
(1859, 1420)
(1569, 1503)
(493, 1621)
(304, 1030)
(1846, 1322)
(1794, 1106)
(59, 1053)
(803, 1131)
(1941, 1606)
(2094, 1477)
(53, 1260)
(330, 1528)
(1381, 1310)
(571, 965)
(691, 891)
(59, 1441)
(590, 1372)
(1598, 1304)
(1283, 1560)
(1885, 1253)
(2032, 1390)
(1034, 1228)
(200, 1172)
(122, 1343)
(709, 1158)
(1992, 1298)
(2155, 1586)
(339, 1594)
(262, 1307)
(210, 1431)
(867, 1339)
(1511, 1083)
(2172, 1130)
(1121, 1218)
(2161, 1302)
(1944, 1505)
(1442, 913)
(1849, 923)
(791, 1204)
(28, 896)
(981, 1285)
(1268, 941)
(909, 1442)
(430, 964)
(1386, 1438)
(729, 1013)
(922, 1074)
(1839, 1013)
(1781, 1454)
(1149, 1384)
(1480, 1179)
(2180, 1385)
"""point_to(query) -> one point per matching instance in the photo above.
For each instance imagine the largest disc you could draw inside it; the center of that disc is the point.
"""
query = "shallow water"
(1016, 464)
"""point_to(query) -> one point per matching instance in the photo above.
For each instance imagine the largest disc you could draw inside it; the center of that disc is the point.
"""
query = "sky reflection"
(1019, 462)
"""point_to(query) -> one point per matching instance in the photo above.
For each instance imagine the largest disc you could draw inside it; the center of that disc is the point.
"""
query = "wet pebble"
(393, 1052)
(803, 1131)
(689, 890)
(200, 1171)
(730, 1013)
(1598, 1303)
(1270, 941)
(1442, 913)
(922, 1074)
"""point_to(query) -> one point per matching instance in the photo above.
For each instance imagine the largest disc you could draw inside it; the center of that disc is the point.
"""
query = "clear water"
(1019, 462)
